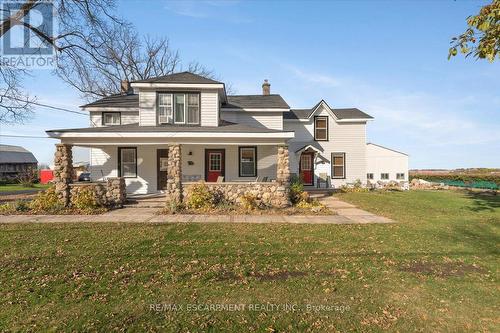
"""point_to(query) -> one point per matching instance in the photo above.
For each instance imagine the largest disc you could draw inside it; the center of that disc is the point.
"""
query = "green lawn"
(19, 187)
(436, 270)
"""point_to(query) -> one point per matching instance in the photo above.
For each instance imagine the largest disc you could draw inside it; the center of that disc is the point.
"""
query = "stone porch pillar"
(63, 171)
(283, 177)
(174, 174)
(283, 166)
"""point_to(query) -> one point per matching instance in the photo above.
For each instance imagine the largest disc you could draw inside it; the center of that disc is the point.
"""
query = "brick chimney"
(125, 88)
(266, 88)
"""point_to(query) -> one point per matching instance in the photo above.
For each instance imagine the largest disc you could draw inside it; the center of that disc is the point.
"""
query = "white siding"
(147, 107)
(266, 161)
(127, 117)
(209, 108)
(104, 163)
(384, 160)
(273, 120)
(348, 138)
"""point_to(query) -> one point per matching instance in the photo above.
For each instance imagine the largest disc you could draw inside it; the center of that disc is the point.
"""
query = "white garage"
(385, 164)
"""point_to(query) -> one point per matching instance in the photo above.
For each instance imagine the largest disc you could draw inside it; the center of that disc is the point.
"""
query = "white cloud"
(208, 9)
(311, 77)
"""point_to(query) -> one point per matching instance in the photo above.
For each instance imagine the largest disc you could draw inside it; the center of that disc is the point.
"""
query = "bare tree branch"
(122, 55)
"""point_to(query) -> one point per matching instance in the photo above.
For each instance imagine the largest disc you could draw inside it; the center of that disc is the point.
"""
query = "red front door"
(214, 164)
(306, 168)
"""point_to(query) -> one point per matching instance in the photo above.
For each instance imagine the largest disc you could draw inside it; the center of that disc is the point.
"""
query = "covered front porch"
(164, 159)
(145, 167)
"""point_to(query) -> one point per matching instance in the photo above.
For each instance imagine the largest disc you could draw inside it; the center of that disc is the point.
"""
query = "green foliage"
(200, 197)
(249, 201)
(7, 209)
(296, 190)
(482, 37)
(467, 178)
(174, 207)
(84, 200)
(21, 206)
(46, 201)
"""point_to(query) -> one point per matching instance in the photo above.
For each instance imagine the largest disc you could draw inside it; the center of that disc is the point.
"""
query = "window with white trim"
(179, 108)
(127, 158)
(248, 161)
(111, 118)
(193, 109)
(400, 176)
(384, 176)
(165, 108)
(338, 165)
(321, 128)
(369, 176)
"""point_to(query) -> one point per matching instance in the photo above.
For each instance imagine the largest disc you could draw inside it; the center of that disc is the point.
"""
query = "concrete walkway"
(346, 214)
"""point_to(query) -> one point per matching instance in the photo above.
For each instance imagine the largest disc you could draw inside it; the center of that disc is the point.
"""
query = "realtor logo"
(23, 43)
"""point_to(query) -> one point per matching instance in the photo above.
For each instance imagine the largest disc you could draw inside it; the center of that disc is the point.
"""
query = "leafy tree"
(482, 37)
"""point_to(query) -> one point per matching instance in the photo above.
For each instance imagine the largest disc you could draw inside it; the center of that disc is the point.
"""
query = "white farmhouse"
(225, 138)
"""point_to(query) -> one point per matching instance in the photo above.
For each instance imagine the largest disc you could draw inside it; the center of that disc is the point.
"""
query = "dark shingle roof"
(224, 127)
(183, 77)
(15, 154)
(273, 101)
(119, 101)
(351, 113)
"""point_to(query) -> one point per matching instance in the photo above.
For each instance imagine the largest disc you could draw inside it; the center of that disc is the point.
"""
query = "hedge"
(458, 177)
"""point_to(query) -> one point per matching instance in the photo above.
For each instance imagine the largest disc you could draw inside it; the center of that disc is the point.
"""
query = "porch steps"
(319, 193)
(146, 201)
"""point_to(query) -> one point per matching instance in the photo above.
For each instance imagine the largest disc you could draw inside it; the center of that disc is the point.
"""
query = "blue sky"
(386, 58)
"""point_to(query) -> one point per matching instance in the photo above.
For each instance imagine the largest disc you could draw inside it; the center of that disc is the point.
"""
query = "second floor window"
(179, 108)
(321, 128)
(111, 118)
(165, 108)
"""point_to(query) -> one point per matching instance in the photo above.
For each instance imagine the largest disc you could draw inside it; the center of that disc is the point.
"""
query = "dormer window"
(321, 128)
(179, 108)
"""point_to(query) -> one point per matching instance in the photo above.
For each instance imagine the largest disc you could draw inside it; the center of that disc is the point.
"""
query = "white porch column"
(174, 174)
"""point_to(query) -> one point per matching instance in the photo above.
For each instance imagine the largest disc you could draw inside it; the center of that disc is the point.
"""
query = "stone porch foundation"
(268, 194)
(111, 193)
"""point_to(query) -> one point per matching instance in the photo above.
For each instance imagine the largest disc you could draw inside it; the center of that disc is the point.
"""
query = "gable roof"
(182, 77)
(273, 101)
(341, 114)
(351, 113)
(118, 100)
(16, 154)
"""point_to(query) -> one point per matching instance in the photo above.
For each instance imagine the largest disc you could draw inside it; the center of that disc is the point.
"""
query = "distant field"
(436, 270)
